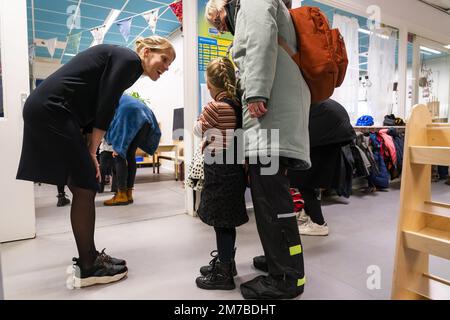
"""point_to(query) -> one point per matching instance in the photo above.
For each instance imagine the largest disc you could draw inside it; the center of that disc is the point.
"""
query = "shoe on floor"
(220, 278)
(205, 270)
(267, 287)
(130, 195)
(302, 217)
(100, 273)
(62, 200)
(119, 199)
(260, 263)
(106, 258)
(310, 228)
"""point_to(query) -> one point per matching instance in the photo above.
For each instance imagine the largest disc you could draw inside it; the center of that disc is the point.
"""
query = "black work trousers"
(277, 225)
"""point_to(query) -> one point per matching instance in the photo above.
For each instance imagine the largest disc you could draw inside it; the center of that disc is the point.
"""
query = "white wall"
(417, 17)
(165, 94)
(42, 68)
(17, 216)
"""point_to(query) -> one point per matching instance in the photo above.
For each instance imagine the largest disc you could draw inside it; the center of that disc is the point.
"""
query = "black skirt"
(54, 150)
(222, 201)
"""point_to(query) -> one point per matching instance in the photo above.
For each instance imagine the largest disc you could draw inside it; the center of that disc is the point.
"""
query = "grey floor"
(165, 247)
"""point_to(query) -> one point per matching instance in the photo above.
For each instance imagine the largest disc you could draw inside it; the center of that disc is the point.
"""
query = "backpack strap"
(286, 47)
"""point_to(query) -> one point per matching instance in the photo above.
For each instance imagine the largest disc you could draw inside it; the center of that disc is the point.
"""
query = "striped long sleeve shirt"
(216, 125)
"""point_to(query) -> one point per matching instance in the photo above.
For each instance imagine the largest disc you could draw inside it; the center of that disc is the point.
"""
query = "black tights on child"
(226, 239)
(82, 217)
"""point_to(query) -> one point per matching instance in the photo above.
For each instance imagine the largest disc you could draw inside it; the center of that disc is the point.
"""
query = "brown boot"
(130, 195)
(119, 199)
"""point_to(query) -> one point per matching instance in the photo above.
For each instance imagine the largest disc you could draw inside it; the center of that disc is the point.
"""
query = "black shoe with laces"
(62, 200)
(268, 287)
(220, 278)
(100, 273)
(106, 258)
(215, 254)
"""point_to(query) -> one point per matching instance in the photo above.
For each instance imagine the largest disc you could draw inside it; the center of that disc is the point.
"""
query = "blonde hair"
(155, 43)
(212, 10)
(221, 74)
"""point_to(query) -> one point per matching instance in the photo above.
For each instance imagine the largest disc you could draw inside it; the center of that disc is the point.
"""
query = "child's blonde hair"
(221, 74)
(155, 43)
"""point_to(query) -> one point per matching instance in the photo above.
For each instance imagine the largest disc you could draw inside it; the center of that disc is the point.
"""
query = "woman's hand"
(97, 167)
(114, 154)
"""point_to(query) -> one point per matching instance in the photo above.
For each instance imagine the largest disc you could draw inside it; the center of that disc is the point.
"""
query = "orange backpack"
(321, 57)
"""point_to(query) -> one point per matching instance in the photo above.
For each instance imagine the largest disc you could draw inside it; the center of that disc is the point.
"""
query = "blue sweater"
(130, 116)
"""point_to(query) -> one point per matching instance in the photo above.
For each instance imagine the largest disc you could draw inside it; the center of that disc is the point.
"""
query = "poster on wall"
(211, 45)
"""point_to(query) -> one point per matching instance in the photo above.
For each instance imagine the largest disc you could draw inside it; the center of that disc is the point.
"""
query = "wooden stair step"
(431, 287)
(430, 155)
(429, 240)
(436, 208)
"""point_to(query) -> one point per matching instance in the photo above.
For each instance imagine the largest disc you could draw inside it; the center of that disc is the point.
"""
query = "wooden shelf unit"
(423, 225)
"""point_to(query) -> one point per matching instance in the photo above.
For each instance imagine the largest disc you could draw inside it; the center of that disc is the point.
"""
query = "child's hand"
(257, 109)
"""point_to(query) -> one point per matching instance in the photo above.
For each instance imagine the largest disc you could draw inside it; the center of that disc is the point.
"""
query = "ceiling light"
(447, 47)
(430, 50)
(363, 63)
(364, 31)
(70, 54)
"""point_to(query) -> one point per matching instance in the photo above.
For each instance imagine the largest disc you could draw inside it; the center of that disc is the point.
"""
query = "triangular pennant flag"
(152, 19)
(177, 9)
(99, 35)
(51, 45)
(124, 27)
(73, 42)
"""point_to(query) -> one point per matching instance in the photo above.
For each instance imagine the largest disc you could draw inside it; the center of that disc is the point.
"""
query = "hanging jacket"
(130, 116)
(399, 141)
(380, 180)
(343, 185)
(363, 141)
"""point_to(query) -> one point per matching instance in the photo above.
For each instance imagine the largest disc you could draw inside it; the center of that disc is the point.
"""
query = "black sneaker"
(260, 263)
(100, 273)
(106, 258)
(62, 200)
(111, 260)
(267, 287)
(205, 270)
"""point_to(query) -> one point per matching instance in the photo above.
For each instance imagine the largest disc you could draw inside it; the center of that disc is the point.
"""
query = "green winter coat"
(267, 71)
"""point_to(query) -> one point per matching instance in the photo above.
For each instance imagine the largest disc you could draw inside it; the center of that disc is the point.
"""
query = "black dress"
(83, 93)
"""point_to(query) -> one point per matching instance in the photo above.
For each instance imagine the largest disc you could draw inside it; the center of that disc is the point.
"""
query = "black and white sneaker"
(106, 258)
(101, 273)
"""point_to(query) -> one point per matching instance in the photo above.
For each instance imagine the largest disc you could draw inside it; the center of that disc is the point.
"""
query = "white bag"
(196, 177)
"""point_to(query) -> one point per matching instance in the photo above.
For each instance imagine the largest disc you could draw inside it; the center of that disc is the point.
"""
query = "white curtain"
(347, 93)
(381, 71)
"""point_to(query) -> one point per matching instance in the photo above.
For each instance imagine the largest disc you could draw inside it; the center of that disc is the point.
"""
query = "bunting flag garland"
(152, 19)
(73, 42)
(51, 45)
(177, 9)
(98, 34)
(125, 27)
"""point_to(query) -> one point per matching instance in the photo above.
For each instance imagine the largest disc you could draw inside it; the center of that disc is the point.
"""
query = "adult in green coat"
(276, 102)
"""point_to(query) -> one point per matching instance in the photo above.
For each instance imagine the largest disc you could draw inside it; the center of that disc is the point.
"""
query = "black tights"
(82, 217)
(226, 239)
(312, 205)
